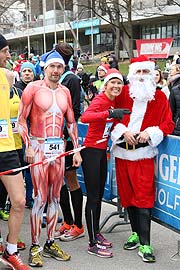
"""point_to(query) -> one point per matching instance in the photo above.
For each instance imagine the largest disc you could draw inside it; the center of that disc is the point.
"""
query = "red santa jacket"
(153, 116)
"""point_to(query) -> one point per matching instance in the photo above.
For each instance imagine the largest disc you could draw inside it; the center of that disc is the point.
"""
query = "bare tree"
(118, 15)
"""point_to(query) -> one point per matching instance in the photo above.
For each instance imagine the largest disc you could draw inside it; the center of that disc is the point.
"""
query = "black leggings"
(94, 167)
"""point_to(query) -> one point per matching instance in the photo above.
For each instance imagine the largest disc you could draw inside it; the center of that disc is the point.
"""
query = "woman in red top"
(100, 116)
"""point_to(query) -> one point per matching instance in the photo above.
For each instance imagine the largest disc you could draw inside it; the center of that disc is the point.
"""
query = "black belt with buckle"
(127, 146)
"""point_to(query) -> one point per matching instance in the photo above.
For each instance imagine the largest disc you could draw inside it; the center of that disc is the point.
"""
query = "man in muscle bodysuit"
(47, 103)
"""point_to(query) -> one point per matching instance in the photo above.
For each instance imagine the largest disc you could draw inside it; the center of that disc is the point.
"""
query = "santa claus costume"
(135, 140)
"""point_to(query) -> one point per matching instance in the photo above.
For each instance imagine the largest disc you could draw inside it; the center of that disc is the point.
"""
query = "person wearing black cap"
(70, 229)
(9, 160)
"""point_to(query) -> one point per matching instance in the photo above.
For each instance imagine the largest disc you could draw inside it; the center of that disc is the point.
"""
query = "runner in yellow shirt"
(9, 160)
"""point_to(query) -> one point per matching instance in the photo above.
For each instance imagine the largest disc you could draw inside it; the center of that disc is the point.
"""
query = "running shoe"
(54, 251)
(14, 261)
(4, 215)
(35, 258)
(61, 230)
(1, 248)
(100, 251)
(132, 242)
(103, 241)
(146, 252)
(20, 244)
(72, 234)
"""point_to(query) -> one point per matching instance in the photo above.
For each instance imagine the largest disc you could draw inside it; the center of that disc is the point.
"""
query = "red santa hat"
(141, 62)
(21, 56)
(104, 67)
(113, 73)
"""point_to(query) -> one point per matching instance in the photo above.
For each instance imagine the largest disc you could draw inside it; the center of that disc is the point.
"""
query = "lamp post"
(77, 32)
(27, 24)
(92, 37)
(44, 24)
(64, 8)
(55, 33)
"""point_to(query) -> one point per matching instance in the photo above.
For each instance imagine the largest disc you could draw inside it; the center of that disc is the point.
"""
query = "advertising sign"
(167, 203)
(154, 48)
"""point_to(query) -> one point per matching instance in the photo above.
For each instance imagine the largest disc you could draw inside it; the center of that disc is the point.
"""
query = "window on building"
(158, 31)
(163, 31)
(139, 5)
(169, 31)
(104, 38)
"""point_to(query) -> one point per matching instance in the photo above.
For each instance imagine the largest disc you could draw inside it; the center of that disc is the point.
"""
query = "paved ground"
(164, 242)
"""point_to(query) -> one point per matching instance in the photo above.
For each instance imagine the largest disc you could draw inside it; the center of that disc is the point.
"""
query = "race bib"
(14, 125)
(3, 129)
(53, 147)
(107, 129)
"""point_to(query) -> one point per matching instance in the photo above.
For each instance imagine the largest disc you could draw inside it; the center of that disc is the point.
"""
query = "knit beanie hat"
(3, 42)
(104, 67)
(22, 56)
(79, 66)
(141, 62)
(104, 59)
(51, 57)
(28, 65)
(35, 58)
(111, 74)
(65, 50)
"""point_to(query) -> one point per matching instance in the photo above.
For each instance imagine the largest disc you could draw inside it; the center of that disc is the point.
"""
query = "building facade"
(83, 24)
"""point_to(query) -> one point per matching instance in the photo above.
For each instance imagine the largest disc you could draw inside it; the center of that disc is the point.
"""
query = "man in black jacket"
(70, 229)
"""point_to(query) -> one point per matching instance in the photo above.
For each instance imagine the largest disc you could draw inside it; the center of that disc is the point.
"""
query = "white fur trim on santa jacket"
(150, 151)
(134, 125)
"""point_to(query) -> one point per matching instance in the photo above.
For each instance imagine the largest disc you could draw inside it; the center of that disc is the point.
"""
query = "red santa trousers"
(135, 182)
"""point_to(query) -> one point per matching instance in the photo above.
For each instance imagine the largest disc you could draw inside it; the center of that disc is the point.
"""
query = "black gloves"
(118, 113)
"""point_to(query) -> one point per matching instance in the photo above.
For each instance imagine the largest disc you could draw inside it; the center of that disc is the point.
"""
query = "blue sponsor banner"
(94, 30)
(167, 178)
(85, 23)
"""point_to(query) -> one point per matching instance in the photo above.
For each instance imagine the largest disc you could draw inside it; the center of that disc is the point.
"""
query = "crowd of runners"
(42, 99)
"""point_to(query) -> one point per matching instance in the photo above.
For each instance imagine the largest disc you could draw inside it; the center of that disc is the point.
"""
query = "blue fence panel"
(167, 179)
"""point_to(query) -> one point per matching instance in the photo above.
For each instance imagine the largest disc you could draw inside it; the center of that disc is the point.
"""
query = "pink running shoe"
(103, 241)
(100, 251)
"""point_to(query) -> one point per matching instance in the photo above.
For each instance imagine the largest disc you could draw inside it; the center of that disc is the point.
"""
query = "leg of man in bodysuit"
(47, 181)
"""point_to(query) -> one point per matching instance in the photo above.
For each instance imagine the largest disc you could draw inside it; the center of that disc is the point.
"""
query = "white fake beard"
(142, 90)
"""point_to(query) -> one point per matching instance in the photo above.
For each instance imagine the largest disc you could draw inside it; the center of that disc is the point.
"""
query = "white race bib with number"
(3, 129)
(107, 129)
(14, 125)
(53, 147)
